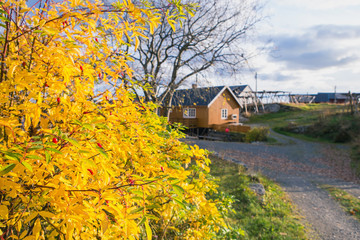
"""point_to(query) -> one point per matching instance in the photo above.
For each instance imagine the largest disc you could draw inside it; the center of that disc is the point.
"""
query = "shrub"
(75, 165)
(257, 134)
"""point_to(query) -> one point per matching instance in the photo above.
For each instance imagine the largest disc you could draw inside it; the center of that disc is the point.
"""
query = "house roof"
(238, 89)
(325, 97)
(198, 96)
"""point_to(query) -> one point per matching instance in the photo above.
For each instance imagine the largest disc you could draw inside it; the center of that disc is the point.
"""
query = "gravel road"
(300, 167)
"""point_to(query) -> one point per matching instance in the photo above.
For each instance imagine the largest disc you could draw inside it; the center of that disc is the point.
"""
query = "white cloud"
(320, 4)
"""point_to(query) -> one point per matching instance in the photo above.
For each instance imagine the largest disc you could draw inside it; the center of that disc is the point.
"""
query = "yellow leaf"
(148, 230)
(47, 214)
(137, 42)
(104, 225)
(4, 212)
(29, 238)
(69, 231)
(31, 217)
(37, 228)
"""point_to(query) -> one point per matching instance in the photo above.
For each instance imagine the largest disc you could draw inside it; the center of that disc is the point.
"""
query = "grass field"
(251, 216)
(301, 114)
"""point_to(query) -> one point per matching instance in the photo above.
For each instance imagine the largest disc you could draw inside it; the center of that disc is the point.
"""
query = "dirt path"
(300, 167)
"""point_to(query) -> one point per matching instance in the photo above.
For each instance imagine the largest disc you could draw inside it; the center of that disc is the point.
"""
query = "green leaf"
(53, 150)
(72, 141)
(7, 169)
(178, 201)
(178, 190)
(34, 157)
(13, 156)
(88, 126)
(152, 206)
(137, 210)
(51, 144)
(5, 19)
(83, 151)
(77, 122)
(47, 157)
(36, 147)
(27, 165)
(102, 126)
(142, 221)
(102, 152)
(139, 193)
(149, 216)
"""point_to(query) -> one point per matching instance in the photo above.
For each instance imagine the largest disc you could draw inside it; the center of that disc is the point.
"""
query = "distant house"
(244, 94)
(209, 107)
(331, 98)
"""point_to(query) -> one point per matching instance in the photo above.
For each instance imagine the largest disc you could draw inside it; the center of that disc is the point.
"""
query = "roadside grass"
(350, 203)
(260, 217)
(300, 114)
(301, 136)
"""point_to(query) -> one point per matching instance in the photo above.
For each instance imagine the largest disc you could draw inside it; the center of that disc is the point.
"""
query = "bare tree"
(213, 37)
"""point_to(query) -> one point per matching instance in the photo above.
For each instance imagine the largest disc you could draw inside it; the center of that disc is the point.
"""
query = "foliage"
(350, 203)
(257, 134)
(269, 217)
(78, 165)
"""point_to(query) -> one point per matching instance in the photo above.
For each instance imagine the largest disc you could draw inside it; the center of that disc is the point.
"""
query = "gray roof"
(238, 89)
(197, 96)
(326, 97)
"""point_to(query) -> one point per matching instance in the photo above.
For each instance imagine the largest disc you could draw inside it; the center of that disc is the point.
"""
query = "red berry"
(131, 182)
(55, 140)
(46, 85)
(86, 112)
(162, 168)
(99, 75)
(24, 64)
(91, 171)
(107, 98)
(58, 100)
(96, 40)
(81, 68)
(99, 145)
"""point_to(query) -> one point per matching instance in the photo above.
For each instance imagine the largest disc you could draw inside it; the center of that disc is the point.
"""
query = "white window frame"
(189, 113)
(224, 113)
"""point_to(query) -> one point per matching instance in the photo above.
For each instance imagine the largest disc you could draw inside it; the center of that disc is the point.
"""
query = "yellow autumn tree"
(82, 165)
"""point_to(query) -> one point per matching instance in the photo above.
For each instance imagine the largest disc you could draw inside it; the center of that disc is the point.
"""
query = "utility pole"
(256, 99)
(335, 94)
(255, 83)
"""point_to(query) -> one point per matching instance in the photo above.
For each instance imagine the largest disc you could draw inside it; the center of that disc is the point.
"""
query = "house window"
(224, 113)
(189, 113)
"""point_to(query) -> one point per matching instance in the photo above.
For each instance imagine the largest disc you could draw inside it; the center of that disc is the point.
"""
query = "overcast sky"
(314, 45)
(311, 46)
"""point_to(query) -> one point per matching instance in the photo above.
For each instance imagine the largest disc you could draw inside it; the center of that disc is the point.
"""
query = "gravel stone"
(300, 167)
